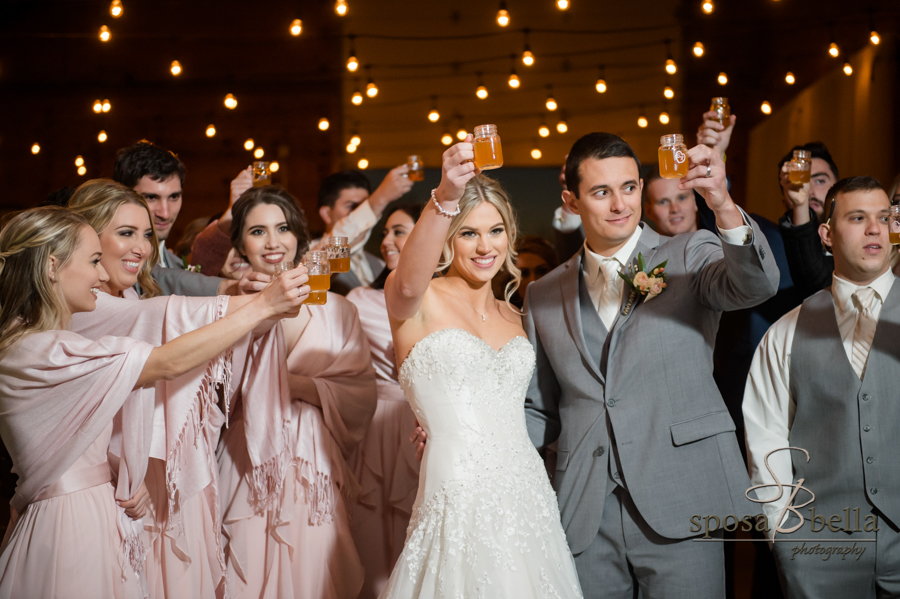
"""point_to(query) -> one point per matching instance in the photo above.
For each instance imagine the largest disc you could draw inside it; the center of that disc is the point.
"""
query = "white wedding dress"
(485, 523)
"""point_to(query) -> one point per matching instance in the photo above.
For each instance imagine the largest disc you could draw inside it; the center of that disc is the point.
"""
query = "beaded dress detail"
(485, 523)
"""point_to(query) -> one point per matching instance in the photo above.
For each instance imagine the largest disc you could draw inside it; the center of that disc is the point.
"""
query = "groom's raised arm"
(542, 398)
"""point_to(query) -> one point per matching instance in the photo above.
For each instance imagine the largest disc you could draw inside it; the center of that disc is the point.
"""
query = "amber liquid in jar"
(416, 174)
(339, 265)
(799, 177)
(895, 238)
(488, 151)
(723, 111)
(800, 167)
(319, 284)
(894, 225)
(673, 162)
(262, 174)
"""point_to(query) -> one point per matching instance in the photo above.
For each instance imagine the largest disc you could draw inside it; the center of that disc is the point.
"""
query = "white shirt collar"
(162, 254)
(842, 290)
(592, 261)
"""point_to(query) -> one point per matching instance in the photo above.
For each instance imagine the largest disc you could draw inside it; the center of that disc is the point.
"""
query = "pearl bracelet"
(441, 210)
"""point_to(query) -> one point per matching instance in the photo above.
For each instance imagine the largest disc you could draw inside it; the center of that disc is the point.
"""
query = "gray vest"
(848, 426)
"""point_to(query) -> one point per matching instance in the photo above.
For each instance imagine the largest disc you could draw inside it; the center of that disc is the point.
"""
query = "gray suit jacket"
(177, 281)
(653, 386)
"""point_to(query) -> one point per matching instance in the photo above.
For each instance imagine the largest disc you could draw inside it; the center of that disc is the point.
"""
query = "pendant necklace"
(483, 316)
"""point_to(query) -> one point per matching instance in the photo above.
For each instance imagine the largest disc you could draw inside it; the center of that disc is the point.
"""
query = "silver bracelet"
(441, 210)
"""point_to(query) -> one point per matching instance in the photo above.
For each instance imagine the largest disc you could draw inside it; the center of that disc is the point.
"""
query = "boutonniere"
(191, 268)
(648, 282)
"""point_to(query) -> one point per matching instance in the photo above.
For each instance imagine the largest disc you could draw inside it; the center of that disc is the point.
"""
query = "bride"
(485, 522)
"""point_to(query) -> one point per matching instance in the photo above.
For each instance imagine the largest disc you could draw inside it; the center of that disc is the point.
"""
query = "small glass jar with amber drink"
(416, 168)
(319, 270)
(262, 173)
(894, 226)
(800, 167)
(339, 254)
(722, 110)
(488, 151)
(673, 161)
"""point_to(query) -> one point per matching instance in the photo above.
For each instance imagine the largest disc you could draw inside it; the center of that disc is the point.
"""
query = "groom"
(625, 382)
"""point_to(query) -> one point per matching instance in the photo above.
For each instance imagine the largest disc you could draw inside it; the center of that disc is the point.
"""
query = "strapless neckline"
(468, 334)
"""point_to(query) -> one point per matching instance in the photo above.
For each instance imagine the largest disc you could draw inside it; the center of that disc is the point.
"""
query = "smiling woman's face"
(126, 244)
(481, 245)
(396, 231)
(267, 238)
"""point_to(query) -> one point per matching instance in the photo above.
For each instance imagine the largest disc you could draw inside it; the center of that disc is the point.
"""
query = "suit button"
(867, 428)
(610, 402)
(616, 476)
(869, 460)
(873, 490)
(865, 397)
(599, 452)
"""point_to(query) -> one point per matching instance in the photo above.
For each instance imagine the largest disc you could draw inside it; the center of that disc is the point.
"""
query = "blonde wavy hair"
(97, 201)
(28, 301)
(481, 189)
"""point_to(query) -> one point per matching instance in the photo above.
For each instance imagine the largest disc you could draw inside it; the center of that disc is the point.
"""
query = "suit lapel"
(647, 244)
(569, 286)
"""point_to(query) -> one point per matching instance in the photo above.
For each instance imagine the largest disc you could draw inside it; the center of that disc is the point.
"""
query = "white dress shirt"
(357, 228)
(768, 406)
(565, 221)
(164, 256)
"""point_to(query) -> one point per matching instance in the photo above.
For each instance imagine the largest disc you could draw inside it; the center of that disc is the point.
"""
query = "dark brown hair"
(275, 196)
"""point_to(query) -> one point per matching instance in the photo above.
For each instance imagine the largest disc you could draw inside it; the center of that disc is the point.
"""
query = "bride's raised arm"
(406, 286)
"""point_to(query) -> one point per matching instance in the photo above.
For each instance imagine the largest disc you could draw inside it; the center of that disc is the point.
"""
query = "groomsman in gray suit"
(824, 380)
(624, 377)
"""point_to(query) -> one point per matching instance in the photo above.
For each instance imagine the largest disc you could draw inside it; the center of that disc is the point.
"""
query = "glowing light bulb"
(259, 153)
(82, 170)
(874, 38)
(699, 49)
(481, 92)
(352, 64)
(351, 148)
(833, 50)
(116, 8)
(708, 7)
(248, 145)
(502, 17)
(527, 57)
(536, 154)
(551, 104)
(211, 131)
(324, 124)
(340, 7)
(296, 27)
(544, 131)
(371, 89)
(230, 102)
(175, 68)
(98, 106)
(514, 81)
(722, 78)
(355, 140)
(106, 107)
(446, 139)
(434, 116)
(36, 149)
(363, 163)
(766, 108)
(461, 134)
(562, 5)
(642, 122)
(105, 34)
(848, 70)
(79, 160)
(357, 98)
(670, 67)
(562, 127)
(664, 118)
(789, 78)
(102, 137)
(668, 92)
(274, 167)
(600, 86)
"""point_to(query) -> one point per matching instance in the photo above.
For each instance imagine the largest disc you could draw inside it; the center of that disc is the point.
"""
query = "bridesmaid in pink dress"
(59, 396)
(299, 546)
(385, 462)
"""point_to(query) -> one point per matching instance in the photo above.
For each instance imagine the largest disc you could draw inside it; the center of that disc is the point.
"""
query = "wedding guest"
(384, 463)
(535, 257)
(671, 209)
(300, 544)
(59, 395)
(820, 411)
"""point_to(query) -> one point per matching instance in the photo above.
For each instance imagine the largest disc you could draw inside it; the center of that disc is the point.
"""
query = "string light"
(642, 122)
(527, 57)
(664, 118)
(600, 86)
(351, 148)
(668, 92)
(352, 63)
(371, 88)
(766, 108)
(514, 80)
(707, 7)
(446, 139)
(211, 131)
(434, 116)
(833, 50)
(551, 102)
(789, 78)
(699, 49)
(481, 91)
(102, 137)
(296, 27)
(106, 106)
(82, 170)
(562, 5)
(874, 38)
(98, 106)
(324, 124)
(175, 68)
(357, 98)
(79, 160)
(561, 126)
(36, 149)
(363, 163)
(503, 15)
(230, 102)
(116, 8)
(356, 140)
(259, 153)
(723, 78)
(248, 145)
(461, 134)
(340, 7)
(536, 153)
(274, 167)
(671, 69)
(543, 130)
(105, 34)
(848, 70)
